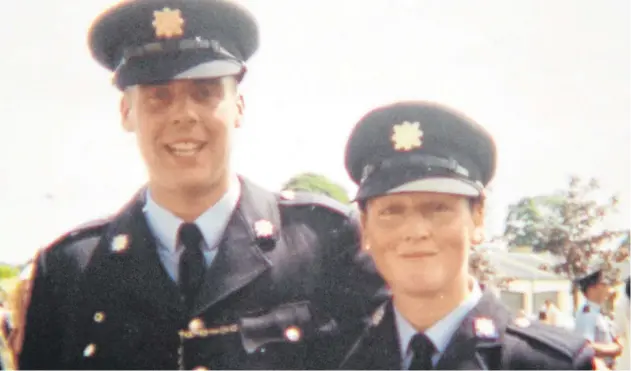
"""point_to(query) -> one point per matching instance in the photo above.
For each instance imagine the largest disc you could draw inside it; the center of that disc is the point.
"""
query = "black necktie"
(191, 262)
(423, 349)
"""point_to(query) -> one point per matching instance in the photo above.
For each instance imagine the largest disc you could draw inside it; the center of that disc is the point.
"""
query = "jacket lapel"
(469, 349)
(127, 263)
(377, 348)
(239, 260)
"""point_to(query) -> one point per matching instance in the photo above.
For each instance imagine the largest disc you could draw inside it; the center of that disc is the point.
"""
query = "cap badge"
(120, 243)
(407, 136)
(168, 23)
(485, 328)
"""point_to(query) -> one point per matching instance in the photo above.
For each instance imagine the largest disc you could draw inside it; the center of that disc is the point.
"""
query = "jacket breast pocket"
(282, 337)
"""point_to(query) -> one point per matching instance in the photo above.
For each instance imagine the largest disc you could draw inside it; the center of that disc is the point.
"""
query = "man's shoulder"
(318, 211)
(296, 203)
(87, 230)
(539, 342)
(77, 243)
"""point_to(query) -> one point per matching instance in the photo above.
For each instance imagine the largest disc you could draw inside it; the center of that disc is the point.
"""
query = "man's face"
(602, 291)
(184, 129)
(420, 241)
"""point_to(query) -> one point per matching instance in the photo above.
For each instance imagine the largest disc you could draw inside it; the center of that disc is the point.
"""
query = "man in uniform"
(202, 268)
(591, 323)
(422, 169)
(622, 313)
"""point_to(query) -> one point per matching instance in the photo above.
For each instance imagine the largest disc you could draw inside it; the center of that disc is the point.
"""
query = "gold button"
(196, 324)
(89, 350)
(99, 317)
(200, 368)
(293, 334)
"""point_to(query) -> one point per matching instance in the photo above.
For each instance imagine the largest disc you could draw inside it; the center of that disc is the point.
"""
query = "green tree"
(8, 271)
(528, 221)
(317, 183)
(568, 224)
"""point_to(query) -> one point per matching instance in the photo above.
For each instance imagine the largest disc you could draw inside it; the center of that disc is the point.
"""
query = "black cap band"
(176, 46)
(390, 173)
(163, 60)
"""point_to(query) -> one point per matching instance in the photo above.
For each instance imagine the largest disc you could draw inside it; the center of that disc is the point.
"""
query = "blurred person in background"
(621, 318)
(591, 323)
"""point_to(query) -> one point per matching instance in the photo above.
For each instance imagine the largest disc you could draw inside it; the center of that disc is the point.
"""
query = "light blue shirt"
(212, 223)
(440, 333)
(593, 325)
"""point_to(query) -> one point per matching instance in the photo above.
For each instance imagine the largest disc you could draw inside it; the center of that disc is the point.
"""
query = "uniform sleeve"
(586, 327)
(37, 339)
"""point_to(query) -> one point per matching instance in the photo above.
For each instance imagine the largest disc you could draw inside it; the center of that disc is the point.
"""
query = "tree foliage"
(568, 224)
(317, 183)
(8, 271)
(527, 220)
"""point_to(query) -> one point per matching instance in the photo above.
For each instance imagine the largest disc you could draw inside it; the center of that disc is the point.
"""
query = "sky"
(549, 79)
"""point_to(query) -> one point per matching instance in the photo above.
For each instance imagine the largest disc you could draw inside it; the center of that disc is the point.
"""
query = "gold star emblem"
(168, 23)
(407, 136)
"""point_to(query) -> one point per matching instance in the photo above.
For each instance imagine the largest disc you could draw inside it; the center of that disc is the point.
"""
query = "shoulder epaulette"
(549, 336)
(300, 198)
(81, 231)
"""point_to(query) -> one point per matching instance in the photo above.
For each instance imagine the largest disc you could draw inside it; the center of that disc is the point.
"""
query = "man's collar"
(165, 225)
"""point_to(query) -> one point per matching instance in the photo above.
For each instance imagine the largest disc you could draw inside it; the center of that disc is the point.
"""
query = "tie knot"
(421, 344)
(190, 235)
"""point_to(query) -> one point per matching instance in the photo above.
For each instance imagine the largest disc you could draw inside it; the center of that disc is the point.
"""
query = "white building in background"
(531, 286)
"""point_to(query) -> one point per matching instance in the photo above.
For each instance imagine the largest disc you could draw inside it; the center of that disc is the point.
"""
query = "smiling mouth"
(185, 149)
(417, 255)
